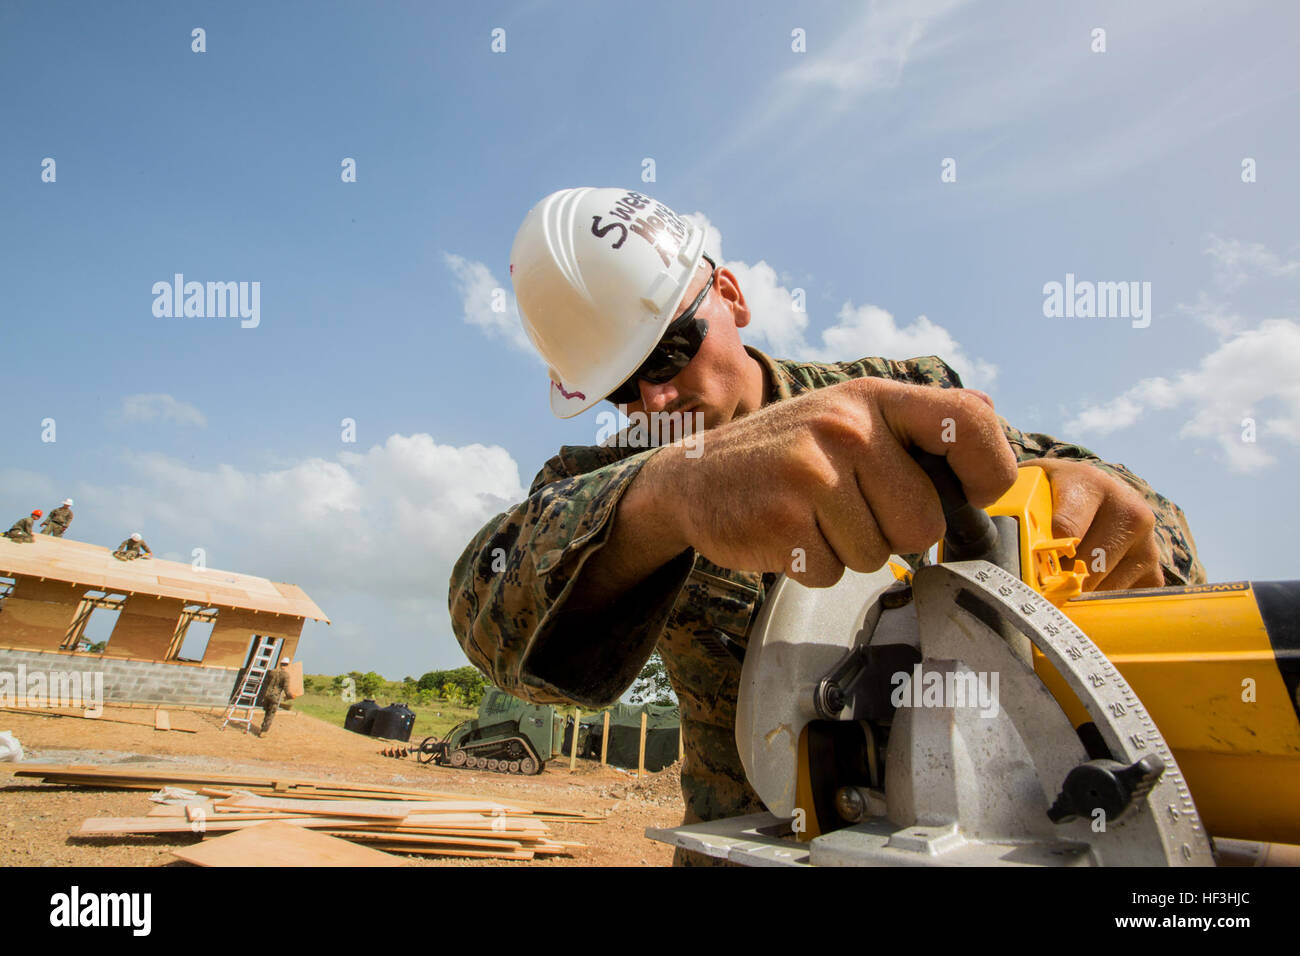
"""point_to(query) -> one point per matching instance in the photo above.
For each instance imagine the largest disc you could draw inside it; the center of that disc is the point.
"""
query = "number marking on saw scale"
(1075, 656)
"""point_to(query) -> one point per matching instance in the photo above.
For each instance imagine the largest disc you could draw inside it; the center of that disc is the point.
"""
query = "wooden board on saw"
(283, 844)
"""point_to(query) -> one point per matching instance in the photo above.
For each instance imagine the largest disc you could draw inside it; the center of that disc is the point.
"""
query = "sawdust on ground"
(36, 819)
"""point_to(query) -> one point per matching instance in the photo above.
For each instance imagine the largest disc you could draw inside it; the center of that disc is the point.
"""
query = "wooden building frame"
(59, 582)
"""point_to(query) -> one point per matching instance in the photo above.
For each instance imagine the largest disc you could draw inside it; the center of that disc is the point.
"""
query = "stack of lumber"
(398, 820)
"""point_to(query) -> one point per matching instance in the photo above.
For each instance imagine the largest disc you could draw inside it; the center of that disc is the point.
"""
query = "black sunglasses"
(673, 353)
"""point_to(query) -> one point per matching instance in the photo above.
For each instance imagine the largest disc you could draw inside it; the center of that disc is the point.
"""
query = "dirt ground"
(36, 819)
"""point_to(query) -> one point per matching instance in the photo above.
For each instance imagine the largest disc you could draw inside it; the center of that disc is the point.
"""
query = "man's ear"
(729, 288)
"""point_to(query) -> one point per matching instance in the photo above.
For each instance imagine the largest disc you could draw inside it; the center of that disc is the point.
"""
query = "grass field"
(430, 721)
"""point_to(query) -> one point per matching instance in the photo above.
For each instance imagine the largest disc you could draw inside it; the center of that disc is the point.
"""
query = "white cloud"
(1236, 262)
(865, 56)
(157, 406)
(1253, 375)
(479, 293)
(870, 330)
(779, 328)
(388, 522)
(1216, 316)
(869, 55)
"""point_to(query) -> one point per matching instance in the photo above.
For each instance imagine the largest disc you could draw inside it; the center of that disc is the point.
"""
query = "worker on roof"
(132, 548)
(273, 688)
(57, 523)
(804, 468)
(22, 528)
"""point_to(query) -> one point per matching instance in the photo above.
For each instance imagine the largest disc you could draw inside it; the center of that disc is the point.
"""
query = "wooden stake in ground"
(573, 744)
(681, 748)
(604, 742)
(640, 759)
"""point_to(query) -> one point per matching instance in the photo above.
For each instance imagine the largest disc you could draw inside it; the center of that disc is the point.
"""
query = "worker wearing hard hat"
(274, 687)
(132, 548)
(57, 523)
(22, 528)
(804, 469)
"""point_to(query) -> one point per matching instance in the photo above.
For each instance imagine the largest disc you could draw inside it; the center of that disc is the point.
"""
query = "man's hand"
(823, 482)
(1117, 527)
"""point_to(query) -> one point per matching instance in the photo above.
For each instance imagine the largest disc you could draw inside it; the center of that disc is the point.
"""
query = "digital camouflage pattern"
(57, 522)
(274, 687)
(509, 588)
(21, 530)
(131, 549)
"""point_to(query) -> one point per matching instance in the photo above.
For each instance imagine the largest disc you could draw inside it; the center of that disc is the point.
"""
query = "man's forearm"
(643, 537)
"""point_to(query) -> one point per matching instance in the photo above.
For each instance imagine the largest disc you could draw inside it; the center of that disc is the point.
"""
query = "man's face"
(719, 382)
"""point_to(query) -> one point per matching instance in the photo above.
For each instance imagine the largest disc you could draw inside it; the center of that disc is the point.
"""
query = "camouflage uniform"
(130, 549)
(514, 624)
(57, 522)
(273, 688)
(21, 531)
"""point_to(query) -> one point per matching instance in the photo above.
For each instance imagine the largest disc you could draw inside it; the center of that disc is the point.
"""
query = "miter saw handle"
(971, 534)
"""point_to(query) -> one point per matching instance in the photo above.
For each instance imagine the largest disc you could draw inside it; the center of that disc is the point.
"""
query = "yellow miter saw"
(985, 711)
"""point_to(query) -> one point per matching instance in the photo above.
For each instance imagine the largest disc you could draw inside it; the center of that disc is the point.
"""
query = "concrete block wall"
(137, 681)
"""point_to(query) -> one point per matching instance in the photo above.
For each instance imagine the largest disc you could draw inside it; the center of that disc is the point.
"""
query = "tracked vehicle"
(508, 736)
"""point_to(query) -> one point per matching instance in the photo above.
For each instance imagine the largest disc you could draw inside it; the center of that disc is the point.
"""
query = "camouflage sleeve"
(1178, 557)
(509, 590)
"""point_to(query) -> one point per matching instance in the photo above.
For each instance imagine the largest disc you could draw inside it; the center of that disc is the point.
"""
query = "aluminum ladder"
(241, 711)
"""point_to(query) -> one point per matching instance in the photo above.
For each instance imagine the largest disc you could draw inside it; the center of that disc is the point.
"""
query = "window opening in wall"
(94, 623)
(193, 631)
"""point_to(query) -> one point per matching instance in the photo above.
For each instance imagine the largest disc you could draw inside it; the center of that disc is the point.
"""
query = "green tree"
(468, 684)
(368, 684)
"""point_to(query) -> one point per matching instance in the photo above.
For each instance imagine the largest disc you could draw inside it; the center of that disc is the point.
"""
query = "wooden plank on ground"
(161, 720)
(381, 808)
(425, 840)
(283, 844)
(219, 822)
(123, 779)
(103, 826)
(439, 851)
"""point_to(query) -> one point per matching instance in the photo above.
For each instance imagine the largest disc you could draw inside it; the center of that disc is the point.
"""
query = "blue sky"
(816, 170)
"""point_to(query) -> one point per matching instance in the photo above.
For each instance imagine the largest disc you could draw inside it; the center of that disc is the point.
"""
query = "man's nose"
(654, 398)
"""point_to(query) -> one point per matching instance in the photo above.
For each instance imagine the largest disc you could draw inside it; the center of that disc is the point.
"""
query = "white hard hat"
(599, 275)
(136, 536)
(68, 502)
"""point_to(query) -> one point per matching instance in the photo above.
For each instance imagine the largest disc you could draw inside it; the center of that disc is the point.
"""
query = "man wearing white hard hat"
(805, 469)
(132, 548)
(59, 519)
